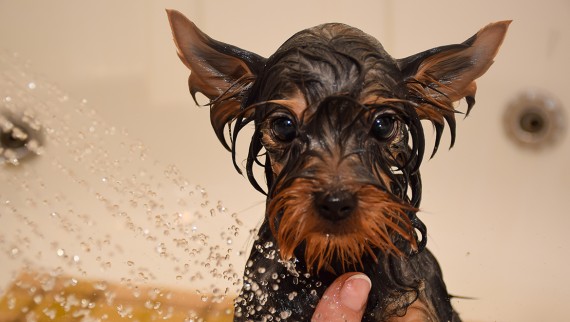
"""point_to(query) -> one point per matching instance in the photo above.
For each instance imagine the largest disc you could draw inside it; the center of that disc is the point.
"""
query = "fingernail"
(354, 292)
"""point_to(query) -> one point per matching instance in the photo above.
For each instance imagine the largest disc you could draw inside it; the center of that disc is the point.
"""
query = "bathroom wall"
(495, 211)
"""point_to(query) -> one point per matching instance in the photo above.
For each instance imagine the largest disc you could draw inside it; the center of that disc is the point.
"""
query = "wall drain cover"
(535, 120)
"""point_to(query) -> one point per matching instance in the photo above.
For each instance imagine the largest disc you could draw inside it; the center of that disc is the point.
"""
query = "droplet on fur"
(285, 314)
(292, 296)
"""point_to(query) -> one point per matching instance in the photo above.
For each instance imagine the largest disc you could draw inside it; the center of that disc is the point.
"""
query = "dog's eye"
(383, 127)
(284, 129)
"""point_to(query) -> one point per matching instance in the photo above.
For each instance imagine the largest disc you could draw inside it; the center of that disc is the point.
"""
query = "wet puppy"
(338, 133)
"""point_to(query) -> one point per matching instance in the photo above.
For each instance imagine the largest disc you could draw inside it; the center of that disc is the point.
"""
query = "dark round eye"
(284, 129)
(383, 127)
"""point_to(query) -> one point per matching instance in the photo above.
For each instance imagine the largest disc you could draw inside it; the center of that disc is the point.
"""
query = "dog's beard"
(378, 220)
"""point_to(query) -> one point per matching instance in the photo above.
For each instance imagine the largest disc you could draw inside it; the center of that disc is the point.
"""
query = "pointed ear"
(441, 76)
(222, 72)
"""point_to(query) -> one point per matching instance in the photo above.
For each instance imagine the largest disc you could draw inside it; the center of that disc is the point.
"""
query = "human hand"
(344, 300)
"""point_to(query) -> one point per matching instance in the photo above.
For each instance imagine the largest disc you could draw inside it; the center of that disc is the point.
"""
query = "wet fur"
(333, 82)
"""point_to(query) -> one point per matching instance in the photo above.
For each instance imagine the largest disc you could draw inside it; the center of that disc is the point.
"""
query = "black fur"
(274, 289)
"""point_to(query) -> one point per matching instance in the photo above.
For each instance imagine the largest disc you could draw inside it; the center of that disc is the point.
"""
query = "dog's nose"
(335, 206)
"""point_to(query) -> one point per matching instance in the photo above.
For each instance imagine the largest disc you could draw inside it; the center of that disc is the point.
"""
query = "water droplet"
(100, 285)
(60, 252)
(292, 295)
(32, 85)
(38, 298)
(124, 312)
(50, 313)
(285, 314)
(161, 249)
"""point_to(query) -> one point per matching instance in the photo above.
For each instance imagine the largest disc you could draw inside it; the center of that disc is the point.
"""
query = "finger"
(345, 299)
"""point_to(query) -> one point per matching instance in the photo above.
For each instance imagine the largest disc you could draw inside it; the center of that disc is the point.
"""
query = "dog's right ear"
(222, 72)
(441, 76)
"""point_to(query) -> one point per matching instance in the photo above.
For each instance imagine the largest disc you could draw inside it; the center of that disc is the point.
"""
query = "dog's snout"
(335, 206)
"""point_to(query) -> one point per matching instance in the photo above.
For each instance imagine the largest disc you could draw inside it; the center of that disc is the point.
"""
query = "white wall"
(496, 213)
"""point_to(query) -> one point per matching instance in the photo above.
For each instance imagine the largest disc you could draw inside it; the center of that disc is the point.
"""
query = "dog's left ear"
(438, 77)
(222, 72)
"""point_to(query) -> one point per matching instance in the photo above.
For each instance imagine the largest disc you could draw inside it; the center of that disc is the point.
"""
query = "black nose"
(335, 205)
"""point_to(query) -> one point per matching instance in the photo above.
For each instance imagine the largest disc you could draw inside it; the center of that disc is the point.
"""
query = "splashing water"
(92, 204)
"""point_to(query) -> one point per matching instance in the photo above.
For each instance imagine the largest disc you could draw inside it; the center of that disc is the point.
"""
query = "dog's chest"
(275, 290)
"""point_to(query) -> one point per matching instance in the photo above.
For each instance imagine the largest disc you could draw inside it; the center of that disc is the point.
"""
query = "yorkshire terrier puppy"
(338, 132)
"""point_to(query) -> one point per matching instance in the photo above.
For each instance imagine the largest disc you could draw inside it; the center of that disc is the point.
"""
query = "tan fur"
(377, 218)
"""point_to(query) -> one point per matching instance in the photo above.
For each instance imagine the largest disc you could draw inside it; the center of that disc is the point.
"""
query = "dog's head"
(338, 130)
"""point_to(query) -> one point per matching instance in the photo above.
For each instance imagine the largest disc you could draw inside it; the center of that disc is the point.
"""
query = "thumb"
(345, 299)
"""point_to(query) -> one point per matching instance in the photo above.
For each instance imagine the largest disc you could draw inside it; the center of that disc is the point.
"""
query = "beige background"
(497, 214)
